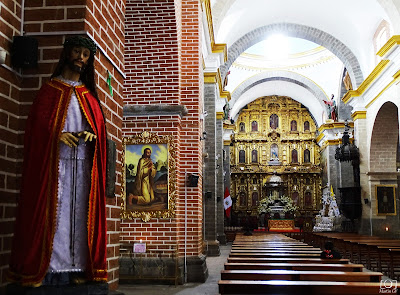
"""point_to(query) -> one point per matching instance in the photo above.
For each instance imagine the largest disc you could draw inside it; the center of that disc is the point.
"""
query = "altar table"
(281, 224)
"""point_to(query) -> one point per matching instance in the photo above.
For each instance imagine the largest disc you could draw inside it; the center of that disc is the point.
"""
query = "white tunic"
(70, 239)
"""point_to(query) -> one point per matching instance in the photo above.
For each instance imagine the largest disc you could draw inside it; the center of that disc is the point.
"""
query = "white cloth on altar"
(70, 246)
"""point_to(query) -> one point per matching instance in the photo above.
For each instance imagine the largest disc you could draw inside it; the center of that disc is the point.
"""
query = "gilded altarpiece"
(274, 151)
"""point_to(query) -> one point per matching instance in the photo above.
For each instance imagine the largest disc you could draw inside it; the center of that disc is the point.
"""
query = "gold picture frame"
(385, 199)
(148, 177)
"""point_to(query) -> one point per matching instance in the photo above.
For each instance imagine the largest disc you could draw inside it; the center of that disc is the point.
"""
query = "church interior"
(271, 126)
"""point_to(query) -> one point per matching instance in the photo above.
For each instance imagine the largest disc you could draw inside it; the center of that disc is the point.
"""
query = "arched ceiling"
(346, 28)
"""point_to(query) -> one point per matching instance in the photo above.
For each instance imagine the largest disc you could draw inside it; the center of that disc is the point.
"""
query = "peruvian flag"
(227, 203)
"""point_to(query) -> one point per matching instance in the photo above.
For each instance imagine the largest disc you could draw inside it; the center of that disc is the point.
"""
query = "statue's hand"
(69, 139)
(88, 135)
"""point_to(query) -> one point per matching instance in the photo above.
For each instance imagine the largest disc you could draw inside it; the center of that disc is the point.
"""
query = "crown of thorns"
(81, 41)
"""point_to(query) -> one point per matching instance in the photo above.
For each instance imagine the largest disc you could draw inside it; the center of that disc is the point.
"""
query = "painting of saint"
(242, 198)
(242, 127)
(295, 198)
(254, 199)
(274, 152)
(308, 200)
(386, 200)
(147, 180)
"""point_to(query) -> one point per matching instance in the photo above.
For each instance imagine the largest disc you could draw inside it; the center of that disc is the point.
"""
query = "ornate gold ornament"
(161, 202)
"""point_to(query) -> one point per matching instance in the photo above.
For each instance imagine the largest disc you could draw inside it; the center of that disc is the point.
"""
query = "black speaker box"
(24, 52)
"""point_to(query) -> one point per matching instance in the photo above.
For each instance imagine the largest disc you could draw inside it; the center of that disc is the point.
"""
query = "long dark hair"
(87, 76)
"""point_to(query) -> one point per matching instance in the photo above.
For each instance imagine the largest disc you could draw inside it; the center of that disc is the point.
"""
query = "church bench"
(275, 254)
(297, 287)
(286, 259)
(300, 275)
(273, 248)
(294, 266)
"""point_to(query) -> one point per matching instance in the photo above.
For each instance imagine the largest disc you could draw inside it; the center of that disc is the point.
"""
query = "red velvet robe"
(36, 216)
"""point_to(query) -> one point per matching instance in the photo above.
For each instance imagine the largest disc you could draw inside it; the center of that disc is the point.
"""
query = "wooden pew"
(300, 275)
(274, 254)
(294, 266)
(297, 287)
(286, 259)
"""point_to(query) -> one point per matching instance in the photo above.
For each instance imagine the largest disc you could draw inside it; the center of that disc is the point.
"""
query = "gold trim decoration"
(394, 40)
(367, 82)
(220, 115)
(333, 125)
(385, 199)
(227, 142)
(215, 78)
(152, 210)
(359, 115)
(215, 47)
(396, 78)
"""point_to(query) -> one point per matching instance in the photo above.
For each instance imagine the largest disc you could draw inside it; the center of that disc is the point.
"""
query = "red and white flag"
(227, 203)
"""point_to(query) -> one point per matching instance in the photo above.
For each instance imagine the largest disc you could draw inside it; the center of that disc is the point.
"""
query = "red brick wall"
(163, 65)
(45, 21)
(384, 139)
(10, 139)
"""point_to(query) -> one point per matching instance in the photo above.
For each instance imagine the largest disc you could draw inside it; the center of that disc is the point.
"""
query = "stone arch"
(286, 76)
(385, 139)
(298, 31)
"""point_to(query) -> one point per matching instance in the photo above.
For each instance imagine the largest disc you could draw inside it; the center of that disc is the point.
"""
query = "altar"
(280, 224)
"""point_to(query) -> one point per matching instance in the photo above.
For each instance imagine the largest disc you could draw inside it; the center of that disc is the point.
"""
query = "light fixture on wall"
(204, 136)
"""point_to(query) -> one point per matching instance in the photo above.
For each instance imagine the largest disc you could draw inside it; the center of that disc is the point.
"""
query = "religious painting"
(149, 177)
(273, 121)
(386, 199)
(242, 156)
(306, 126)
(254, 126)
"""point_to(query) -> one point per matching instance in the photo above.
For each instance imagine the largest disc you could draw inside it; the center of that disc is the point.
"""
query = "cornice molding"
(227, 142)
(215, 78)
(359, 115)
(367, 82)
(219, 115)
(333, 125)
(394, 40)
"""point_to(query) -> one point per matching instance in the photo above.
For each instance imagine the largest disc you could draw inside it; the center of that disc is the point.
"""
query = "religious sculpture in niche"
(307, 200)
(242, 156)
(293, 125)
(274, 152)
(274, 121)
(294, 156)
(306, 126)
(254, 199)
(243, 200)
(295, 198)
(306, 156)
(254, 156)
(254, 126)
(242, 127)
